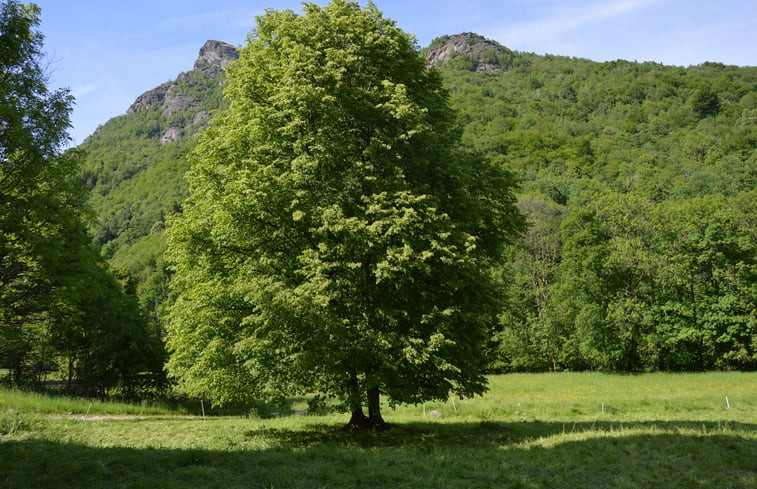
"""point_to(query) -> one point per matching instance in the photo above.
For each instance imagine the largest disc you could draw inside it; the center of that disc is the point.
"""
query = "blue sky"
(108, 52)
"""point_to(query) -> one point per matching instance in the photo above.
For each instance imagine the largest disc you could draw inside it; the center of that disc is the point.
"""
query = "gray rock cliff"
(470, 51)
(180, 97)
(215, 55)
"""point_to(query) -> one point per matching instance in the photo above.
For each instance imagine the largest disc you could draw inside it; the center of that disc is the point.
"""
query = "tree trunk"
(358, 420)
(70, 369)
(375, 421)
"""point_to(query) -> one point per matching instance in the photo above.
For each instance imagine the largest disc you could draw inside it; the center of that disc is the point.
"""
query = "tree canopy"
(39, 194)
(337, 239)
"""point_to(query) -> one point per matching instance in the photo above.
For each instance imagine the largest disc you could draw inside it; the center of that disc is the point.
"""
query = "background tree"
(39, 191)
(58, 301)
(337, 239)
(705, 301)
(529, 339)
(97, 329)
(705, 102)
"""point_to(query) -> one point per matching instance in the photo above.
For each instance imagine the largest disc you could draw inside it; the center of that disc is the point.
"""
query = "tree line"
(621, 283)
(638, 182)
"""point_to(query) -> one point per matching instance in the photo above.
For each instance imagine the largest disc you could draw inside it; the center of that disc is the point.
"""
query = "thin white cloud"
(573, 18)
(81, 91)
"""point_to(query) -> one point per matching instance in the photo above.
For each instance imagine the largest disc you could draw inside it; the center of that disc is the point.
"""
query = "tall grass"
(43, 403)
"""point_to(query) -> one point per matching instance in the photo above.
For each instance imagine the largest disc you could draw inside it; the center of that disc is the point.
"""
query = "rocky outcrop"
(150, 98)
(170, 135)
(214, 56)
(168, 97)
(470, 51)
(180, 102)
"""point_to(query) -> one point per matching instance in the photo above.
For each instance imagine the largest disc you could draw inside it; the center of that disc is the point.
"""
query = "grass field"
(530, 431)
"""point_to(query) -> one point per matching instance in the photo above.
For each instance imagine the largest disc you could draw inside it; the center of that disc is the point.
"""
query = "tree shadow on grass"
(482, 434)
(415, 455)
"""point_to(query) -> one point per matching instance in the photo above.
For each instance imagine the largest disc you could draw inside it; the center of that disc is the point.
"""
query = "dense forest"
(637, 181)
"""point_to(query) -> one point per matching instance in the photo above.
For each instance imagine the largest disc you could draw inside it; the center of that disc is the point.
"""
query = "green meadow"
(529, 431)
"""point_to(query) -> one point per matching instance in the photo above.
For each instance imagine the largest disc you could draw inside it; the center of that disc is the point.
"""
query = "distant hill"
(136, 162)
(572, 130)
(469, 51)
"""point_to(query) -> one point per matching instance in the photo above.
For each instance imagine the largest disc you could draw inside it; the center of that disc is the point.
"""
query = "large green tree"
(337, 238)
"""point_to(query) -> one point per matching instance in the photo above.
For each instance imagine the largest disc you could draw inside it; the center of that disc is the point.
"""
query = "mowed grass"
(529, 431)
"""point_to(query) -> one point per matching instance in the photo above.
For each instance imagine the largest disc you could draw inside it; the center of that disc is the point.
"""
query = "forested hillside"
(639, 183)
(637, 179)
(135, 167)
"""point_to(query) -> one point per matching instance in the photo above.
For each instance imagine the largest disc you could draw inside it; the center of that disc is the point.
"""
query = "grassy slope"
(530, 431)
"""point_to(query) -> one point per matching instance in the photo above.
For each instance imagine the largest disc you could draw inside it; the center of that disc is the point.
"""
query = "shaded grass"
(525, 433)
(415, 455)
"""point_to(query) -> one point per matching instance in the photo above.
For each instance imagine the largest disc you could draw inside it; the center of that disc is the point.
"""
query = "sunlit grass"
(529, 431)
(587, 396)
(43, 403)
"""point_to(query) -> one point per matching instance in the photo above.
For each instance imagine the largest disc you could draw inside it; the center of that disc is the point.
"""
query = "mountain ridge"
(171, 99)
